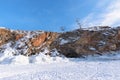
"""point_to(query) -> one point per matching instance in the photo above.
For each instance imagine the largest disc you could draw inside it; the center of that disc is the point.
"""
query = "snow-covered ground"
(97, 68)
(45, 67)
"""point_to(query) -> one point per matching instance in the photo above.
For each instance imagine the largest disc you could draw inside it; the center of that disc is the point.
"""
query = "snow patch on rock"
(63, 41)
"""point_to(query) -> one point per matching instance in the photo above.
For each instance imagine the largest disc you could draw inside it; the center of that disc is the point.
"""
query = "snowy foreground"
(97, 68)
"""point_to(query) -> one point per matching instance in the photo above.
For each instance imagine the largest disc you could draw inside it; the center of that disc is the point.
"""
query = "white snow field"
(91, 68)
(44, 67)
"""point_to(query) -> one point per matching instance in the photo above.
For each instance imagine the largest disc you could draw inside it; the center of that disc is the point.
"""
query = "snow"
(75, 69)
(102, 42)
(20, 59)
(92, 48)
(41, 58)
(55, 53)
(1, 27)
(63, 41)
(8, 57)
(14, 66)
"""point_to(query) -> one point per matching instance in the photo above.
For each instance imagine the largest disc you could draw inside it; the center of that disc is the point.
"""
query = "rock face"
(26, 42)
(77, 43)
(5, 36)
(47, 37)
(39, 40)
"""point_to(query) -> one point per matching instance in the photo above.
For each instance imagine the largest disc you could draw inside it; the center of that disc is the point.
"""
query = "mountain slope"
(77, 43)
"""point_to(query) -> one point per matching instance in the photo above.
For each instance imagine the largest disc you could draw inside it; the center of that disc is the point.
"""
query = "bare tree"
(79, 23)
(62, 28)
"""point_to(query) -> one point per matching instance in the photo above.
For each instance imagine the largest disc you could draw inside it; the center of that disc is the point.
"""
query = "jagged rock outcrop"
(26, 42)
(47, 37)
(77, 43)
(80, 43)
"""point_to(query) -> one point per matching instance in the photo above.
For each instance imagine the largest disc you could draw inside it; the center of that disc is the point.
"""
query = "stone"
(39, 40)
(18, 36)
(5, 36)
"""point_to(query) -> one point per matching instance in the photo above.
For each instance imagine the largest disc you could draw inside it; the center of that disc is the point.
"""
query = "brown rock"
(51, 38)
(47, 37)
(18, 36)
(39, 40)
(5, 35)
(82, 41)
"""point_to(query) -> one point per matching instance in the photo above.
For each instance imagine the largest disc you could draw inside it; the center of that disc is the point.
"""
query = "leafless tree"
(62, 28)
(79, 23)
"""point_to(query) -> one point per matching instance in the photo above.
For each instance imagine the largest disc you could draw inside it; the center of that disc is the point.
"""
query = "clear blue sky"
(43, 14)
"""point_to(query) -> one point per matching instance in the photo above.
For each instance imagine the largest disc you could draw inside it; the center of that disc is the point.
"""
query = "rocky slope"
(77, 43)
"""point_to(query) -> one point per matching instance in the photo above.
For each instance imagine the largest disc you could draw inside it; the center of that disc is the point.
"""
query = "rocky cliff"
(76, 43)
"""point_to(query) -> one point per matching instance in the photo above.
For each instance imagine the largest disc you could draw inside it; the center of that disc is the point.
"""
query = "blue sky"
(50, 15)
